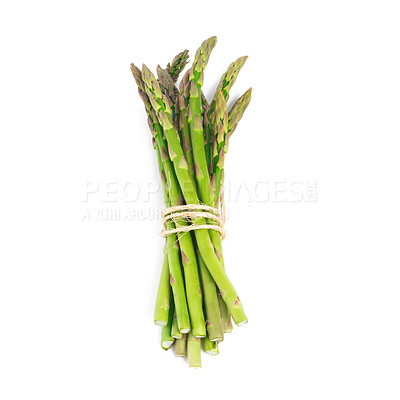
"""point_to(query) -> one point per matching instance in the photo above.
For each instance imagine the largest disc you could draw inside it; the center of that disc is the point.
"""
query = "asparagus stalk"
(180, 346)
(196, 77)
(224, 314)
(214, 326)
(166, 339)
(210, 347)
(184, 131)
(176, 282)
(207, 133)
(161, 309)
(183, 100)
(175, 333)
(194, 351)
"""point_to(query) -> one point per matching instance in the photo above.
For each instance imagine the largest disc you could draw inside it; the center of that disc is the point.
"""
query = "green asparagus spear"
(161, 309)
(215, 331)
(175, 333)
(180, 346)
(220, 129)
(194, 351)
(210, 347)
(196, 77)
(166, 339)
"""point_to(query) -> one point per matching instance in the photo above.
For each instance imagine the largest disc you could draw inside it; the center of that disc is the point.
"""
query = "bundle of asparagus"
(195, 300)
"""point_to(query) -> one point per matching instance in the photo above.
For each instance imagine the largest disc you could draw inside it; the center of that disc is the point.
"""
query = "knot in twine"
(189, 212)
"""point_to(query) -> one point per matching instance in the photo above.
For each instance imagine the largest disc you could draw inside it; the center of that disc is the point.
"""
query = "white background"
(319, 280)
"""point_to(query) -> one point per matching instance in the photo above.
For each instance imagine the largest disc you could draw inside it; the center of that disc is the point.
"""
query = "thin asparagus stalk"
(196, 77)
(174, 329)
(162, 108)
(180, 346)
(161, 309)
(210, 347)
(207, 133)
(214, 326)
(220, 129)
(224, 314)
(176, 281)
(194, 351)
(184, 131)
(166, 339)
